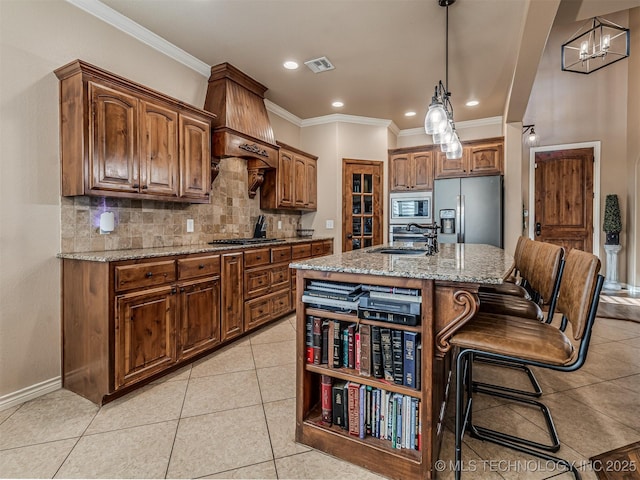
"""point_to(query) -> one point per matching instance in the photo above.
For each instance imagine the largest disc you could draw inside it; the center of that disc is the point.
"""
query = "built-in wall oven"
(406, 208)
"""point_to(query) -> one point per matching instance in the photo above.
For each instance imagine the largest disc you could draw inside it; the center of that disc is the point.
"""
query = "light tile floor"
(231, 415)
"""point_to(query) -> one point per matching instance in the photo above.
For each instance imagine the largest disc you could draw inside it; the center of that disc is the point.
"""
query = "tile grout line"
(175, 435)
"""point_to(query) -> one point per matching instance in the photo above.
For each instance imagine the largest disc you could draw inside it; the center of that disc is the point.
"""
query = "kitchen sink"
(400, 251)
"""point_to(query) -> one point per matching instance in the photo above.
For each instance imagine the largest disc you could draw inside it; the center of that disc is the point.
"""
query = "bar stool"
(532, 343)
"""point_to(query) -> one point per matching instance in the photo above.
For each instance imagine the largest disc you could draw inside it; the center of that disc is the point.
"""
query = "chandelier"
(595, 45)
(439, 120)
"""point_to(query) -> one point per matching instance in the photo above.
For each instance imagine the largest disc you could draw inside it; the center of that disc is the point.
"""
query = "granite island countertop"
(454, 262)
(138, 253)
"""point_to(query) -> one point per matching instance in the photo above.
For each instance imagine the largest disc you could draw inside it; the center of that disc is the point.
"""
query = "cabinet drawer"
(317, 249)
(280, 277)
(280, 254)
(327, 247)
(257, 312)
(256, 282)
(198, 267)
(281, 303)
(301, 251)
(148, 274)
(254, 258)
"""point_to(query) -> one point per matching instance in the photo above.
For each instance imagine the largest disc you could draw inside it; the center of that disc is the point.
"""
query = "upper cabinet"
(479, 158)
(411, 171)
(293, 184)
(122, 139)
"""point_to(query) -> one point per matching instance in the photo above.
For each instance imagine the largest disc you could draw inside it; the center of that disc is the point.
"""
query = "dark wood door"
(113, 140)
(422, 171)
(361, 204)
(400, 173)
(485, 159)
(195, 157)
(232, 296)
(159, 165)
(564, 198)
(299, 173)
(145, 334)
(451, 167)
(286, 184)
(311, 179)
(199, 316)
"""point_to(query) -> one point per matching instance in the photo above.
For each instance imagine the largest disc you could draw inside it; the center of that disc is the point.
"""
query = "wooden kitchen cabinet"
(232, 298)
(479, 158)
(122, 139)
(293, 185)
(411, 171)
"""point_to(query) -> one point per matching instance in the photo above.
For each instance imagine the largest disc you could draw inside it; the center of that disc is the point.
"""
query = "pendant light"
(439, 119)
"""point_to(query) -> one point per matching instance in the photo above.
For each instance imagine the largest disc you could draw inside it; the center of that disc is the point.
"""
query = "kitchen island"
(446, 284)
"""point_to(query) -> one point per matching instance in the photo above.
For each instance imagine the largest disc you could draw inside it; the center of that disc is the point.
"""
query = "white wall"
(36, 37)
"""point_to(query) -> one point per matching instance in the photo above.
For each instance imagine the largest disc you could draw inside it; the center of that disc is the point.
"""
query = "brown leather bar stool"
(511, 285)
(529, 342)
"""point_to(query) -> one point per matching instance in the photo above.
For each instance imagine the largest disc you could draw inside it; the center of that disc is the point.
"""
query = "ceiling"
(388, 54)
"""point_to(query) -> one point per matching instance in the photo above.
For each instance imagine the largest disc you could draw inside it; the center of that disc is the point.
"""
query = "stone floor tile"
(277, 383)
(318, 465)
(229, 359)
(278, 332)
(265, 470)
(35, 461)
(7, 412)
(281, 420)
(272, 354)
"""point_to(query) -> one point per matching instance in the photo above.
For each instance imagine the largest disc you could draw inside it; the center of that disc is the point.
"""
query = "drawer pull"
(182, 290)
(201, 266)
(173, 291)
(149, 274)
(258, 257)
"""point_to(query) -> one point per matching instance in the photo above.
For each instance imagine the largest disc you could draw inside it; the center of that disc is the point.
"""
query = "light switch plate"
(329, 224)
(189, 225)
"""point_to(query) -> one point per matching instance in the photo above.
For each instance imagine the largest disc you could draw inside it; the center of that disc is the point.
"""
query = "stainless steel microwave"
(407, 207)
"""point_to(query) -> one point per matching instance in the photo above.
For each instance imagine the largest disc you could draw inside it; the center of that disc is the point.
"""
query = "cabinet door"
(145, 334)
(159, 153)
(485, 159)
(232, 298)
(113, 140)
(451, 168)
(286, 178)
(422, 171)
(400, 173)
(199, 316)
(311, 177)
(195, 158)
(299, 191)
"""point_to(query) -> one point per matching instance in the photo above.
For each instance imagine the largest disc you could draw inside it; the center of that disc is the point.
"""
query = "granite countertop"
(137, 253)
(454, 262)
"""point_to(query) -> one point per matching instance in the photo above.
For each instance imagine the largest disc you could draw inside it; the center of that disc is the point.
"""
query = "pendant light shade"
(455, 150)
(437, 119)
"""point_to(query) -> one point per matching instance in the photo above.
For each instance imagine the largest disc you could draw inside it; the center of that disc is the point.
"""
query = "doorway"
(362, 198)
(563, 197)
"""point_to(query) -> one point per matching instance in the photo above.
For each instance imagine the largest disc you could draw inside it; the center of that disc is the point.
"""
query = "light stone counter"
(454, 262)
(134, 254)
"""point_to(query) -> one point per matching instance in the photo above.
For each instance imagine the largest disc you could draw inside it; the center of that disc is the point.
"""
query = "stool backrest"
(545, 269)
(578, 288)
(517, 254)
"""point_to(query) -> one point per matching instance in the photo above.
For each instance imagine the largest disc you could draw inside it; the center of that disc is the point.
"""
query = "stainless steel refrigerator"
(469, 210)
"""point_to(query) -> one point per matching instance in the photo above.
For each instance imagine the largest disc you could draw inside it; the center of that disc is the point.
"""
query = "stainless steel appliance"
(469, 210)
(404, 233)
(408, 207)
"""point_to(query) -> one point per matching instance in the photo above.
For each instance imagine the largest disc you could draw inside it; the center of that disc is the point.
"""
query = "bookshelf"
(375, 454)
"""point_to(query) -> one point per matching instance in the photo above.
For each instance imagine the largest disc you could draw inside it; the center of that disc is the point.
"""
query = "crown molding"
(140, 33)
(339, 117)
(480, 122)
(281, 112)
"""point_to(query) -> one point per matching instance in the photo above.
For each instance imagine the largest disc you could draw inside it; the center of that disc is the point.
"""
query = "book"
(309, 338)
(345, 406)
(351, 329)
(397, 353)
(354, 409)
(414, 414)
(338, 403)
(387, 357)
(409, 359)
(376, 355)
(331, 304)
(361, 412)
(375, 412)
(398, 297)
(398, 437)
(368, 402)
(379, 288)
(365, 350)
(335, 334)
(356, 355)
(317, 340)
(381, 316)
(326, 398)
(345, 348)
(333, 295)
(324, 356)
(334, 286)
(419, 365)
(387, 305)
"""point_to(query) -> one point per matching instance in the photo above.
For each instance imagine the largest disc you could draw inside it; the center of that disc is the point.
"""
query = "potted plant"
(612, 221)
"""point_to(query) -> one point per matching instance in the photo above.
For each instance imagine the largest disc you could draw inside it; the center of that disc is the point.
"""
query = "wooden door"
(159, 154)
(400, 173)
(361, 204)
(422, 171)
(145, 334)
(299, 172)
(564, 198)
(286, 175)
(485, 159)
(195, 157)
(232, 297)
(311, 178)
(113, 140)
(451, 167)
(199, 316)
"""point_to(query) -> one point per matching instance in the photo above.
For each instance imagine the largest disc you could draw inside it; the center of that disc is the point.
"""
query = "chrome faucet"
(430, 226)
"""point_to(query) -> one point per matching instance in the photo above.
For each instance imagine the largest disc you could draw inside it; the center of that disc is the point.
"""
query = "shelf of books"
(361, 394)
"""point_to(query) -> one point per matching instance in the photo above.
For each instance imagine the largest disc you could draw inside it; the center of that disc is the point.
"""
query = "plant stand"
(611, 281)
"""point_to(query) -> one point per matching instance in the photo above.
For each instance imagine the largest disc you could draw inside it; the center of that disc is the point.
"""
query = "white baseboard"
(29, 393)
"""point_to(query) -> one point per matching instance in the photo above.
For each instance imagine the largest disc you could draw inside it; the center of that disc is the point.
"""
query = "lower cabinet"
(199, 317)
(232, 298)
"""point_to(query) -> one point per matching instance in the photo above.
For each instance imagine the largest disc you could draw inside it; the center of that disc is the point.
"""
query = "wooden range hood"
(242, 128)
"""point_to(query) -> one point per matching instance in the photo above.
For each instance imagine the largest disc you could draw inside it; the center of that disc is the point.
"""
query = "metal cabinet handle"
(149, 274)
(538, 229)
(201, 266)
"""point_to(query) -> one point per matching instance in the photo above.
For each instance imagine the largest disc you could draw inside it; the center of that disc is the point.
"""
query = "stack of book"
(385, 353)
(363, 411)
(390, 304)
(333, 296)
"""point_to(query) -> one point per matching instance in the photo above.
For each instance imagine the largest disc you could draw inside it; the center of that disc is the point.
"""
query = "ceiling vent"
(318, 65)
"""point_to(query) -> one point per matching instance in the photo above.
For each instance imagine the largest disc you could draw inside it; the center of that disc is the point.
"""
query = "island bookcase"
(372, 453)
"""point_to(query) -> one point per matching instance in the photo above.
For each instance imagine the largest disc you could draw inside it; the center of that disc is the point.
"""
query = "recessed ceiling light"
(337, 104)
(472, 103)
(410, 114)
(290, 65)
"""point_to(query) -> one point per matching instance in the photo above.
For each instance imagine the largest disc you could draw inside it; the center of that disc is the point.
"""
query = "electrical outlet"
(189, 225)
(279, 224)
(329, 224)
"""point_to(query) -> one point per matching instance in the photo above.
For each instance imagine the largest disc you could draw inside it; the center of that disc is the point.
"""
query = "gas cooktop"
(245, 241)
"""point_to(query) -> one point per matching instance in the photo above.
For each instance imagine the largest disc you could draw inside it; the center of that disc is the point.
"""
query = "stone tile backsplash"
(148, 223)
